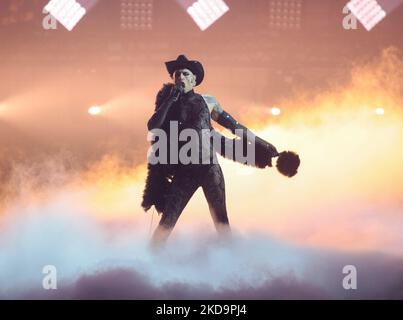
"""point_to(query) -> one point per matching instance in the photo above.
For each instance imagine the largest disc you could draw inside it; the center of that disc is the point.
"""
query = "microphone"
(177, 90)
(180, 87)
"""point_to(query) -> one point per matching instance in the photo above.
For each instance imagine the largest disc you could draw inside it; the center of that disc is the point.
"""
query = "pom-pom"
(288, 163)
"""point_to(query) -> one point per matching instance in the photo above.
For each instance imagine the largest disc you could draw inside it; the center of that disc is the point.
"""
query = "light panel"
(66, 12)
(372, 12)
(285, 14)
(204, 12)
(136, 14)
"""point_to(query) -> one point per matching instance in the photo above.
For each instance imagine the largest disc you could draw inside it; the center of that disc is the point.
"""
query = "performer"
(170, 186)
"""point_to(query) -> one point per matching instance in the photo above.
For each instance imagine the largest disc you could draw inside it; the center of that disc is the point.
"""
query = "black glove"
(176, 91)
(164, 103)
(264, 153)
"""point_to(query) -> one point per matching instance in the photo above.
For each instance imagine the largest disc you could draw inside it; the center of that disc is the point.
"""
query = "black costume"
(169, 187)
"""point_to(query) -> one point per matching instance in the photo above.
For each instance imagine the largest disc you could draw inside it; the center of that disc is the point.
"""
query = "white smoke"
(61, 232)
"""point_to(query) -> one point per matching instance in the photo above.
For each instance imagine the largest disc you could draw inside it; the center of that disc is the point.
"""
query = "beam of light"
(275, 111)
(205, 12)
(372, 12)
(67, 12)
(95, 110)
(345, 196)
(380, 111)
(338, 199)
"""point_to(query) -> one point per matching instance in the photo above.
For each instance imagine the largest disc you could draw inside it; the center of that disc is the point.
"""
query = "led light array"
(136, 14)
(285, 14)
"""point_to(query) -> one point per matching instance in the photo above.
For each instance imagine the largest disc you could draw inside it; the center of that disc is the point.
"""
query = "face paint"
(186, 77)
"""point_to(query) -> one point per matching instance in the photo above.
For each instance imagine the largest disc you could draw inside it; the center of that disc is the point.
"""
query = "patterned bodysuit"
(192, 112)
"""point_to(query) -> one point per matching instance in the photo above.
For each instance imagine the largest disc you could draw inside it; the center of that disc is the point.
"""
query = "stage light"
(95, 110)
(380, 111)
(18, 12)
(67, 12)
(204, 12)
(136, 14)
(285, 14)
(371, 12)
(275, 111)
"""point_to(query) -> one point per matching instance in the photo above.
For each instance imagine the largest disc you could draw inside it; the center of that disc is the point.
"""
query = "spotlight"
(205, 12)
(95, 110)
(67, 12)
(371, 12)
(275, 111)
(380, 111)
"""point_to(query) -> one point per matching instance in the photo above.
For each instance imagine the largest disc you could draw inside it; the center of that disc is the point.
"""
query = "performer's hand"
(176, 91)
(272, 150)
(265, 151)
(181, 86)
(272, 153)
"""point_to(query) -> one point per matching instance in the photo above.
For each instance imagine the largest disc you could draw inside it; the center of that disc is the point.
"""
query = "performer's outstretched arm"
(264, 149)
(227, 121)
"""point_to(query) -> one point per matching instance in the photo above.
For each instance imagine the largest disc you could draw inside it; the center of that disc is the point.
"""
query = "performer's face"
(186, 77)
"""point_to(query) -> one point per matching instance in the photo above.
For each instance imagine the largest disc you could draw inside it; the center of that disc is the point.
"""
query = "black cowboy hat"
(183, 63)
